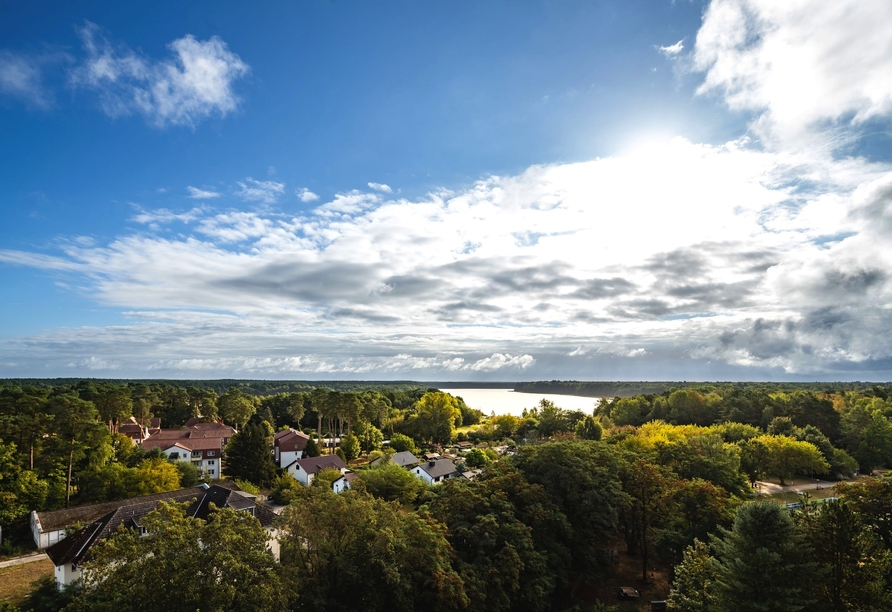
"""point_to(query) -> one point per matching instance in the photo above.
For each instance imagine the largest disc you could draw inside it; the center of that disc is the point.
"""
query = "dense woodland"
(665, 477)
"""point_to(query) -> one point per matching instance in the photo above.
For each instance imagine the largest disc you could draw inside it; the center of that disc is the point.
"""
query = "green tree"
(391, 482)
(589, 429)
(401, 442)
(762, 562)
(552, 419)
(312, 448)
(235, 407)
(582, 481)
(350, 446)
(184, 563)
(854, 561)
(248, 454)
(788, 456)
(647, 487)
(77, 425)
(435, 417)
(354, 552)
(692, 589)
(476, 458)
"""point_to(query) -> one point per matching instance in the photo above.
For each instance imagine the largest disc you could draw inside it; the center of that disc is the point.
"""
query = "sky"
(487, 190)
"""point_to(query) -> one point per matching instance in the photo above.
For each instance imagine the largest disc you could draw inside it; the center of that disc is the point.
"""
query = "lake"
(506, 401)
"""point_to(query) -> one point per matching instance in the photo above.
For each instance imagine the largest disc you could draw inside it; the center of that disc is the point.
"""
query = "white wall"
(65, 575)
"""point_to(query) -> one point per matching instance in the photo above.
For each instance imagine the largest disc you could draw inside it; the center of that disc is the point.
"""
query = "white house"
(304, 470)
(289, 445)
(204, 453)
(435, 471)
(343, 483)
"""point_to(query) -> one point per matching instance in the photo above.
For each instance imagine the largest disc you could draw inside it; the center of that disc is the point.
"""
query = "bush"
(350, 446)
(285, 489)
(401, 442)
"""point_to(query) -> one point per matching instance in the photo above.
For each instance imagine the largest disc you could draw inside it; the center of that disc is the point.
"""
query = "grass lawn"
(15, 581)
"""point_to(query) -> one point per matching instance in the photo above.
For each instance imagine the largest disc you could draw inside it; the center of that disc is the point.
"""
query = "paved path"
(23, 560)
(771, 488)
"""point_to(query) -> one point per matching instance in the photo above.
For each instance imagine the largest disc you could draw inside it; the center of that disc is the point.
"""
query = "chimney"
(431, 463)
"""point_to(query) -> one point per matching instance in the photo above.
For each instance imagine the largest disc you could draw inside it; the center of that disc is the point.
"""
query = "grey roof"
(440, 467)
(402, 459)
(76, 547)
(311, 465)
(60, 519)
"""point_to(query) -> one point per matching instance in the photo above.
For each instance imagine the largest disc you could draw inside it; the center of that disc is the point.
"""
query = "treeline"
(856, 422)
(631, 388)
(518, 538)
(250, 387)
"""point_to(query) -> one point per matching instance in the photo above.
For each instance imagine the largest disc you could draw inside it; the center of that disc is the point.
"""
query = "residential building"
(68, 554)
(304, 470)
(435, 471)
(289, 444)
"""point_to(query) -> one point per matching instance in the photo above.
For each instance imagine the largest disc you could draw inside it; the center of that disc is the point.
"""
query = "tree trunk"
(68, 483)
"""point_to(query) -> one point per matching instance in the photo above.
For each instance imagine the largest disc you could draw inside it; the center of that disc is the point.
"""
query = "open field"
(790, 497)
(15, 581)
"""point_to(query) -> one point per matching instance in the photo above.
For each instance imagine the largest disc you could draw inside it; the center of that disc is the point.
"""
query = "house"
(68, 554)
(435, 471)
(48, 528)
(203, 444)
(343, 483)
(304, 470)
(203, 453)
(404, 459)
(464, 446)
(431, 456)
(289, 445)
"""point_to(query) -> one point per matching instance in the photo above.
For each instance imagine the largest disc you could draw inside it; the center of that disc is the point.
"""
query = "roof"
(404, 459)
(60, 519)
(291, 436)
(435, 469)
(75, 547)
(312, 465)
(187, 443)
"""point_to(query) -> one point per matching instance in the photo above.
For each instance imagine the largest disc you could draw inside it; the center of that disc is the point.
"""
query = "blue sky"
(487, 190)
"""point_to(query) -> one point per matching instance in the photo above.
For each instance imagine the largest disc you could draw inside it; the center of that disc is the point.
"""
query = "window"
(211, 462)
(196, 454)
(211, 472)
(210, 453)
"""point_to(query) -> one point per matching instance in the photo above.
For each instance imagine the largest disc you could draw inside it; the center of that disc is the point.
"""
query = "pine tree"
(249, 456)
(761, 562)
(311, 449)
(692, 590)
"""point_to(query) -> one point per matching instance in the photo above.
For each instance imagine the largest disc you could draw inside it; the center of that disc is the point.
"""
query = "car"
(628, 593)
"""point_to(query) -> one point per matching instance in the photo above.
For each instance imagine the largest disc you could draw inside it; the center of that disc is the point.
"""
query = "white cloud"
(672, 50)
(305, 195)
(663, 252)
(381, 187)
(164, 215)
(194, 84)
(498, 361)
(20, 77)
(200, 194)
(799, 65)
(266, 192)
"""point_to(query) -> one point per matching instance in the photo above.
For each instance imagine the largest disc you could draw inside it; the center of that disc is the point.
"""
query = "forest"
(665, 479)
